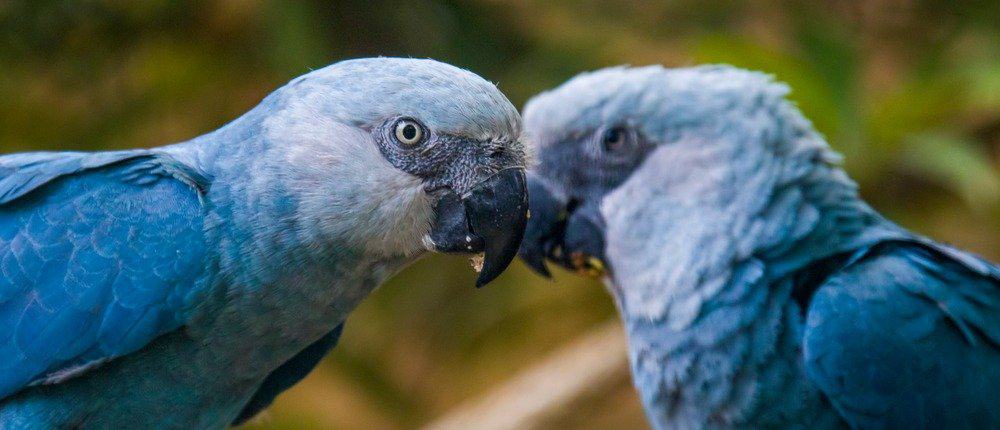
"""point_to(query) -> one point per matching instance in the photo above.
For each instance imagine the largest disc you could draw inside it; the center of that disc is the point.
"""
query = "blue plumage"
(94, 265)
(757, 288)
(288, 374)
(907, 336)
(187, 286)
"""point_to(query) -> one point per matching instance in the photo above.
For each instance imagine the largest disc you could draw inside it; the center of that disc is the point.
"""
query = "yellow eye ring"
(408, 132)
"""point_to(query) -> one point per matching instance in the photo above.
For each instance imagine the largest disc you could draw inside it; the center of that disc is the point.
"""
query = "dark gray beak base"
(490, 219)
(563, 231)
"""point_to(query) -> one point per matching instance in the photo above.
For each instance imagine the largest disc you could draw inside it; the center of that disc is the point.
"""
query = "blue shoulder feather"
(907, 335)
(98, 255)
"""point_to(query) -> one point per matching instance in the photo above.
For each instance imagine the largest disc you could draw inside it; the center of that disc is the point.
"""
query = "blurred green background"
(909, 91)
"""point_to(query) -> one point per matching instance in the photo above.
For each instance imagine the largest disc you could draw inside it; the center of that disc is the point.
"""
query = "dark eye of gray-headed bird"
(757, 288)
(187, 286)
(575, 171)
(479, 188)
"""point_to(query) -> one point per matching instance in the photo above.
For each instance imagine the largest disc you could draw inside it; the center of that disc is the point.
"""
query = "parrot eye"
(409, 132)
(614, 139)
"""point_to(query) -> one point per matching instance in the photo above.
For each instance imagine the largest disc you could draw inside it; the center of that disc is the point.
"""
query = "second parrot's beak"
(565, 231)
(546, 227)
(490, 218)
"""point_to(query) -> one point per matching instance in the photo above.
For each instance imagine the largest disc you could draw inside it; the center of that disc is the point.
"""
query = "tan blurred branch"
(591, 364)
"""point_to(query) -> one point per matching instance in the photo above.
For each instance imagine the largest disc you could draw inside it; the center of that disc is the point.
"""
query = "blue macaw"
(758, 290)
(186, 286)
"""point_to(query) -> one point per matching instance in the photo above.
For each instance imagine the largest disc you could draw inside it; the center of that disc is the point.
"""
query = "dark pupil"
(613, 138)
(409, 131)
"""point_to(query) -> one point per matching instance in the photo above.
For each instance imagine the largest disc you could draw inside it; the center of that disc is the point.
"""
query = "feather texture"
(187, 286)
(94, 265)
(757, 288)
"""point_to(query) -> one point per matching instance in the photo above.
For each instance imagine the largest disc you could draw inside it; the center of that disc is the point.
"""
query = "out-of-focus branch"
(591, 364)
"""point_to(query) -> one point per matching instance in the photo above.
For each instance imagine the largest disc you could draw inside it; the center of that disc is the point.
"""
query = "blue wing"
(908, 336)
(288, 374)
(98, 254)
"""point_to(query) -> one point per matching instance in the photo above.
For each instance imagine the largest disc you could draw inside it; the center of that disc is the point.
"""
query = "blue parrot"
(186, 286)
(757, 289)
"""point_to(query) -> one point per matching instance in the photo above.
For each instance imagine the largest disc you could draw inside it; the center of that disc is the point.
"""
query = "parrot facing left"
(186, 286)
(757, 288)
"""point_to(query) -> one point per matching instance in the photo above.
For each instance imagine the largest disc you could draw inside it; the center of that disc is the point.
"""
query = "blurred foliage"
(909, 91)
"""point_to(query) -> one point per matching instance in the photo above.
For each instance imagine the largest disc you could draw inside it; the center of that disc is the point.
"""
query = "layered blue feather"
(98, 256)
(908, 336)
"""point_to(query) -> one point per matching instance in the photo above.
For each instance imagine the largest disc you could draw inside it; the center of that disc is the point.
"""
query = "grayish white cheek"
(668, 227)
(346, 191)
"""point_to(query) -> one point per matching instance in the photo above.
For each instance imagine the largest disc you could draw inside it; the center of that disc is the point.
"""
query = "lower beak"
(548, 222)
(497, 212)
(568, 233)
(490, 218)
(583, 242)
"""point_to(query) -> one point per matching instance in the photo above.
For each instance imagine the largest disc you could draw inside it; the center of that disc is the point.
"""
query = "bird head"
(395, 156)
(656, 160)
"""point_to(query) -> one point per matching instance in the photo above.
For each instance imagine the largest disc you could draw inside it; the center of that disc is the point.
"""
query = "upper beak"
(498, 213)
(490, 218)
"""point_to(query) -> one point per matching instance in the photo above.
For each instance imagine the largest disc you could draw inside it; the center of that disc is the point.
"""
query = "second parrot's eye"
(409, 132)
(614, 139)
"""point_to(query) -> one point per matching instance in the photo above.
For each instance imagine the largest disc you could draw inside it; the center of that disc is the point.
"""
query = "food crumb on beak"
(588, 266)
(477, 262)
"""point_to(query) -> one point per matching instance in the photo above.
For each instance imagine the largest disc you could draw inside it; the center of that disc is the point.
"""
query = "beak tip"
(494, 267)
(536, 264)
(485, 279)
(498, 212)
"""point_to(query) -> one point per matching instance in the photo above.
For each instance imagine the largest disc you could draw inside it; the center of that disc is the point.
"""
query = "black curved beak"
(563, 231)
(491, 218)
(546, 226)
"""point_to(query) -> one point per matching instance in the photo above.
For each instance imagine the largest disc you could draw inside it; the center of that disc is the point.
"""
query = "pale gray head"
(644, 147)
(397, 155)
